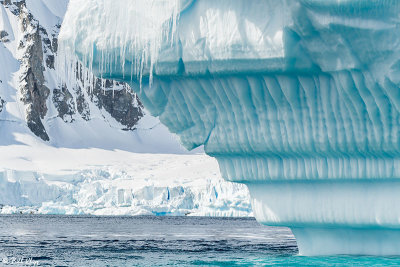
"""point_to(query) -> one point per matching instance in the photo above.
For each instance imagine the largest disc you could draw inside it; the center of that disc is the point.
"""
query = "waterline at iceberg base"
(297, 99)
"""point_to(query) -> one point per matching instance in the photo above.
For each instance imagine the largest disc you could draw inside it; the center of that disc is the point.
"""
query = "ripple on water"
(158, 241)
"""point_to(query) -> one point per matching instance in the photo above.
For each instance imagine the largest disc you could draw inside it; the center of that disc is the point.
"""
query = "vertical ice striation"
(138, 34)
(298, 99)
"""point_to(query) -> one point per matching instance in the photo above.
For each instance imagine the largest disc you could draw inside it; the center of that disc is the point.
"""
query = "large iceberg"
(297, 99)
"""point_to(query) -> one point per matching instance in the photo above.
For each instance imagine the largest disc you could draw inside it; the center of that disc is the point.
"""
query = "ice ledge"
(344, 241)
(269, 169)
(333, 217)
(207, 68)
(344, 204)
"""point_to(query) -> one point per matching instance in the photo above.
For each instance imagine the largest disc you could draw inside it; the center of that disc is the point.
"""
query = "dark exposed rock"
(34, 93)
(64, 103)
(2, 102)
(15, 7)
(5, 2)
(50, 61)
(122, 104)
(3, 36)
(35, 123)
(81, 104)
(54, 43)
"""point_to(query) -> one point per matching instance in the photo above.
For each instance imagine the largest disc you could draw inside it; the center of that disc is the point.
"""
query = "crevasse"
(298, 99)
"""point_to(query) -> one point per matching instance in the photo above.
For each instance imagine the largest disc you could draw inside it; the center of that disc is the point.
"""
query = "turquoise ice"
(297, 99)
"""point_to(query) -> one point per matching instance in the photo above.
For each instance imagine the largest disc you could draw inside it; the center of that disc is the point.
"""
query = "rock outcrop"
(34, 92)
(2, 102)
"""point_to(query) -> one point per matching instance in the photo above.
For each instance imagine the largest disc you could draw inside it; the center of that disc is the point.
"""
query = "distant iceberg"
(297, 99)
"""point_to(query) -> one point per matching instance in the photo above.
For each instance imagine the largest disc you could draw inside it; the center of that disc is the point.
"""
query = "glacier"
(87, 181)
(297, 99)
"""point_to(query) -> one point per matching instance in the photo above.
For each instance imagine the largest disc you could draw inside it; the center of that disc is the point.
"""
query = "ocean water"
(155, 241)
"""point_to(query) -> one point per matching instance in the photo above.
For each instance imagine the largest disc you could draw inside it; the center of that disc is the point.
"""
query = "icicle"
(149, 24)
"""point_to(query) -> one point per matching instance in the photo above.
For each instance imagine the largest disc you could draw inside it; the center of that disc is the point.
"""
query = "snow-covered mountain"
(74, 148)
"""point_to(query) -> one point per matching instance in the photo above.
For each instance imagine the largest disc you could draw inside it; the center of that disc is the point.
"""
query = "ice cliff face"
(117, 183)
(298, 99)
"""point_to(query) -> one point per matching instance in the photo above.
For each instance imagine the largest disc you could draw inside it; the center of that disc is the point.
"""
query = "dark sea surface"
(155, 241)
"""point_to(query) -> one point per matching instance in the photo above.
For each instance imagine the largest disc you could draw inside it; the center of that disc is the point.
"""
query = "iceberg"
(297, 99)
